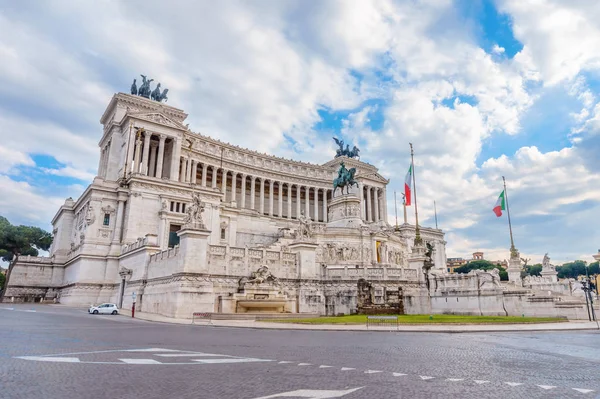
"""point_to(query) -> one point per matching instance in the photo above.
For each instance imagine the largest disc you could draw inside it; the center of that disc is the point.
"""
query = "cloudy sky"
(482, 89)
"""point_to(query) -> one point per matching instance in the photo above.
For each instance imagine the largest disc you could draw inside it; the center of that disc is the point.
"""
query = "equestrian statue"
(146, 92)
(345, 178)
(341, 151)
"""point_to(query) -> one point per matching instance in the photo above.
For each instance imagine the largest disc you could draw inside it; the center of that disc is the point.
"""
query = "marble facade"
(126, 232)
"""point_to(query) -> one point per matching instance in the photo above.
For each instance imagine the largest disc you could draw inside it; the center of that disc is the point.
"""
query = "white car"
(105, 308)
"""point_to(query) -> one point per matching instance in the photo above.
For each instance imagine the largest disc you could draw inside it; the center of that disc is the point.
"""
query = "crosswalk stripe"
(230, 360)
(583, 390)
(50, 359)
(198, 354)
(398, 374)
(547, 386)
(324, 367)
(285, 362)
(151, 350)
(373, 371)
(455, 379)
(304, 364)
(425, 377)
(347, 368)
(514, 384)
(480, 381)
(140, 361)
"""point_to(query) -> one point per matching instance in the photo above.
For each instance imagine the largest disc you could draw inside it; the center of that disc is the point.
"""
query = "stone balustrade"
(370, 273)
(166, 254)
(224, 259)
(35, 259)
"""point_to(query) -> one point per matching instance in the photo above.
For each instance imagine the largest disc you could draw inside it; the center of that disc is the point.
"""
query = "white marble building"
(124, 234)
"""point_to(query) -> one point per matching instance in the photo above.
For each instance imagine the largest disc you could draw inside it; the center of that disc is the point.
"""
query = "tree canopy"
(482, 265)
(532, 270)
(20, 240)
(577, 268)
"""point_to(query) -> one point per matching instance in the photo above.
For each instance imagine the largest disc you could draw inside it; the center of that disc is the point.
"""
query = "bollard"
(133, 310)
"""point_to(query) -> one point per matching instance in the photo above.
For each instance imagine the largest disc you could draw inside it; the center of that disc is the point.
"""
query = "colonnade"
(154, 156)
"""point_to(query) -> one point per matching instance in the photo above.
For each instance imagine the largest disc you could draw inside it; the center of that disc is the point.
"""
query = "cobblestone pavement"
(56, 352)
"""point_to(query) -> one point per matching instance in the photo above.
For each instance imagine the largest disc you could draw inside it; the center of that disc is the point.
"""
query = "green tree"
(482, 265)
(20, 240)
(532, 270)
(571, 269)
(2, 280)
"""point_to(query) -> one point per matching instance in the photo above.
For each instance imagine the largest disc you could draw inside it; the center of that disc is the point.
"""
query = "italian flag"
(500, 205)
(408, 186)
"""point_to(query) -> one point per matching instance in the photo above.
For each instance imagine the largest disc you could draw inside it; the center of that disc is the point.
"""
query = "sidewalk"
(439, 328)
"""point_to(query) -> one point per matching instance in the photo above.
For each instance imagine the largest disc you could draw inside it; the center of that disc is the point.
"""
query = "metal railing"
(206, 316)
(382, 321)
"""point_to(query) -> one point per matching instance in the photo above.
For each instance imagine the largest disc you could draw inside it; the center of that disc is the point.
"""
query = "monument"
(193, 224)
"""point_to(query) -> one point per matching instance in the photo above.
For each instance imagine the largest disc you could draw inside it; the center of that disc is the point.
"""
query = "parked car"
(105, 308)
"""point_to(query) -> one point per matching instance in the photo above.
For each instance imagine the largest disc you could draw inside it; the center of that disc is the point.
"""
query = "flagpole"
(418, 240)
(435, 212)
(512, 242)
(396, 209)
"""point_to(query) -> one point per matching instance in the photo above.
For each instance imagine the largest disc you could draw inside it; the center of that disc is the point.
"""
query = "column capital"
(162, 136)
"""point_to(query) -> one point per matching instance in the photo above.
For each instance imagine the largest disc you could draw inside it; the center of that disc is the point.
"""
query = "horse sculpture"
(345, 179)
(155, 95)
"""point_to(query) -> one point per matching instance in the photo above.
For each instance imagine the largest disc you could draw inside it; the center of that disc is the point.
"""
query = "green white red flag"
(500, 205)
(408, 186)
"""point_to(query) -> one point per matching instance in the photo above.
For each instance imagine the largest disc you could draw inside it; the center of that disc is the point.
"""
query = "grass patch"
(424, 319)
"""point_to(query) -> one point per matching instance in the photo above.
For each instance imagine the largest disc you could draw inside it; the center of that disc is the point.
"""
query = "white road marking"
(231, 360)
(583, 390)
(373, 371)
(347, 368)
(311, 393)
(151, 350)
(324, 367)
(27, 310)
(285, 362)
(398, 374)
(514, 384)
(304, 364)
(455, 379)
(140, 361)
(197, 354)
(7, 308)
(547, 386)
(480, 381)
(50, 359)
(425, 377)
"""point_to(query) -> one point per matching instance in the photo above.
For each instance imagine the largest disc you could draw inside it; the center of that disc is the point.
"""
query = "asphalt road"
(55, 352)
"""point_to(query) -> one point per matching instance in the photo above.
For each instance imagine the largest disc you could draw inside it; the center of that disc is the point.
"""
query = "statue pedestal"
(514, 271)
(550, 275)
(344, 211)
(307, 264)
(193, 247)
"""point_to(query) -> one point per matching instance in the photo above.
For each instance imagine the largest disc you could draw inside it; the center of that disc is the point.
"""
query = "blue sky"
(483, 88)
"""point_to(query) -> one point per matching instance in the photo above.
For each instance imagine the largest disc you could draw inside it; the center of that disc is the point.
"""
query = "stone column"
(153, 150)
(183, 170)
(129, 161)
(116, 238)
(325, 205)
(271, 194)
(289, 201)
(280, 199)
(316, 205)
(384, 205)
(204, 173)
(147, 136)
(361, 196)
(298, 197)
(252, 192)
(194, 178)
(161, 156)
(261, 208)
(214, 177)
(138, 149)
(369, 209)
(243, 200)
(175, 159)
(234, 189)
(224, 184)
(307, 203)
(376, 198)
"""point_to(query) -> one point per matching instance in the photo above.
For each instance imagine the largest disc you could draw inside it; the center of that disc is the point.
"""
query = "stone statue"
(134, 89)
(193, 217)
(525, 261)
(345, 178)
(546, 261)
(260, 276)
(341, 151)
(304, 227)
